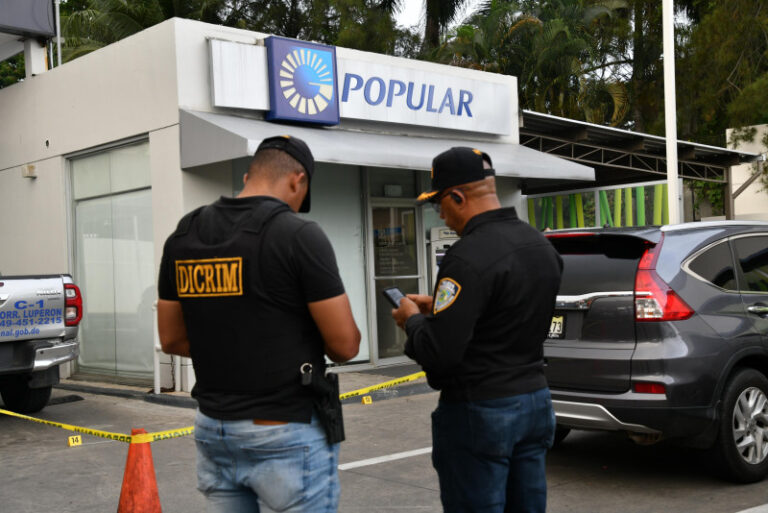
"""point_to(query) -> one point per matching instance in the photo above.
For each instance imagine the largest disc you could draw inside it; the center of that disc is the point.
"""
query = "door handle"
(758, 309)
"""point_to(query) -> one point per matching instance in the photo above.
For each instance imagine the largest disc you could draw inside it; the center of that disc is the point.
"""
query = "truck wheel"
(18, 397)
(741, 448)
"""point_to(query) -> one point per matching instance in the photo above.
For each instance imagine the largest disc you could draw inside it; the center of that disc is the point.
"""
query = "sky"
(412, 12)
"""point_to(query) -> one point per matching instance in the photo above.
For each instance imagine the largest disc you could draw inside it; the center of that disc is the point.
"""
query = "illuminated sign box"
(302, 81)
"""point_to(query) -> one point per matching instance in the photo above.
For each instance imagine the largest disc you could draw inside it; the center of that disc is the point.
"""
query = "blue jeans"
(244, 467)
(490, 455)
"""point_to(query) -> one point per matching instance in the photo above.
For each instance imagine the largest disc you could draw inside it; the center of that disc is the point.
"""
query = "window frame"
(736, 269)
(742, 281)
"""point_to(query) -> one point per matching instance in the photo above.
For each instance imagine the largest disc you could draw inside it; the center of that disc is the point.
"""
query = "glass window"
(115, 261)
(121, 169)
(129, 168)
(752, 253)
(396, 264)
(90, 176)
(715, 265)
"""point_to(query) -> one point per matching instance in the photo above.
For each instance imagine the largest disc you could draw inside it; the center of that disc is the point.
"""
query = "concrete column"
(35, 58)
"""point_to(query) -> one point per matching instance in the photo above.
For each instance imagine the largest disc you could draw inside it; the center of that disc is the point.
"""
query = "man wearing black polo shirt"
(252, 293)
(479, 339)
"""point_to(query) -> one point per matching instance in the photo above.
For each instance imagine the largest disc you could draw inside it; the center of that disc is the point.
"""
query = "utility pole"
(58, 31)
(670, 111)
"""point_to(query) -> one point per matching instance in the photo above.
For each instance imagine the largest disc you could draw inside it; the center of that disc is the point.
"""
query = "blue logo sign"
(302, 81)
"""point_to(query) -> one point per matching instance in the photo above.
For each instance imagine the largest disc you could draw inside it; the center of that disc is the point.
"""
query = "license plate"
(557, 327)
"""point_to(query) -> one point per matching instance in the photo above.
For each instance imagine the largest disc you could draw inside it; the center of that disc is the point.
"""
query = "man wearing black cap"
(252, 293)
(479, 339)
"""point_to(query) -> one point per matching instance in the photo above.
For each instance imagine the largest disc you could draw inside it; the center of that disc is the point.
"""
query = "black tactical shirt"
(244, 270)
(493, 305)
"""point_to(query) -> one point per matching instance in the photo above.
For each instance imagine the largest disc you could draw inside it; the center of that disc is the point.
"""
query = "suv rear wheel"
(741, 449)
(18, 397)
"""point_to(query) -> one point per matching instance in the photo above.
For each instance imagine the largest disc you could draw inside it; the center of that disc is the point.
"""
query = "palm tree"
(556, 49)
(438, 15)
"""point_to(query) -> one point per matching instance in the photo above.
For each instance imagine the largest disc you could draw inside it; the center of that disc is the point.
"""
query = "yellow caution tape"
(386, 384)
(176, 433)
(118, 437)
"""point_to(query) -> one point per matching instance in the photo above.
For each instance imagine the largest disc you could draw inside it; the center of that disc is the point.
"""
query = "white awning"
(207, 138)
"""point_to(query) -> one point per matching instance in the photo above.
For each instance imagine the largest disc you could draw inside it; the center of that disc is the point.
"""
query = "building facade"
(100, 158)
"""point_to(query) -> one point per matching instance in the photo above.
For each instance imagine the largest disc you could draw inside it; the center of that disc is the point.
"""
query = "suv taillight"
(654, 299)
(73, 308)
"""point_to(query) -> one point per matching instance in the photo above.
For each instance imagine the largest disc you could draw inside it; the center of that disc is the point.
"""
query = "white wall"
(34, 215)
(752, 203)
(130, 90)
(120, 91)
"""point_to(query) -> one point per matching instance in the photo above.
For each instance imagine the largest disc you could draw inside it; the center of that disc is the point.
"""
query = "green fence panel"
(531, 212)
(559, 212)
(617, 207)
(640, 193)
(665, 205)
(550, 213)
(546, 213)
(579, 211)
(572, 210)
(605, 210)
(658, 203)
(628, 207)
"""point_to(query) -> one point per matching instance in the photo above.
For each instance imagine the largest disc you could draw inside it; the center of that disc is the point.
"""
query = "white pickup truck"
(39, 317)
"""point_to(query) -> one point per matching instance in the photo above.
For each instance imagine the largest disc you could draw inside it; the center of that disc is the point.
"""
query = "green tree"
(359, 24)
(438, 14)
(724, 71)
(560, 50)
(12, 71)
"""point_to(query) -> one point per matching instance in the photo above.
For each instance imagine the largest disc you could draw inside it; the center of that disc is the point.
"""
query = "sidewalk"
(348, 381)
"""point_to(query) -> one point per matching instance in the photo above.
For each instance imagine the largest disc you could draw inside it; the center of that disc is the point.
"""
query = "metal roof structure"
(619, 156)
(24, 19)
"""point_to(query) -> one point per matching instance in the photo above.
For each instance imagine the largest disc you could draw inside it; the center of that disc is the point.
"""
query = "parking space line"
(382, 459)
(758, 509)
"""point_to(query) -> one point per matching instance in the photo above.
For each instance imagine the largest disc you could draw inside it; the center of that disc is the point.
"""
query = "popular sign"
(304, 83)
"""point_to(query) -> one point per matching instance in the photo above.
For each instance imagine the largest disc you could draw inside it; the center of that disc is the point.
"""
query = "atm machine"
(440, 239)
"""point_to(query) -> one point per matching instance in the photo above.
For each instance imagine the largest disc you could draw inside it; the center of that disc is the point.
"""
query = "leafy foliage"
(558, 49)
(12, 71)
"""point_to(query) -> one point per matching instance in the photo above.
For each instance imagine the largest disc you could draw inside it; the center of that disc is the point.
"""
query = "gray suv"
(662, 332)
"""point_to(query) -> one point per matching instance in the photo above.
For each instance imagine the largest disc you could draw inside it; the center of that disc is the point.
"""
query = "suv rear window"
(598, 263)
(715, 265)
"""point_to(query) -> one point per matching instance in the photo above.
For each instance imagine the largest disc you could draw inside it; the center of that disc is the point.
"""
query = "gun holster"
(325, 389)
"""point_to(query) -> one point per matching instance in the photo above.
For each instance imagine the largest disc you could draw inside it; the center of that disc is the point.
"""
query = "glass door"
(397, 247)
(115, 261)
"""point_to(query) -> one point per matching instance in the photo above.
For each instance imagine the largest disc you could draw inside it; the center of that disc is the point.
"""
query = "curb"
(392, 393)
(150, 397)
(171, 400)
(190, 402)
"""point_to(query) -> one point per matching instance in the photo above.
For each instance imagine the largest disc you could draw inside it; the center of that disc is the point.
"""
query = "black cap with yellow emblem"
(297, 149)
(455, 167)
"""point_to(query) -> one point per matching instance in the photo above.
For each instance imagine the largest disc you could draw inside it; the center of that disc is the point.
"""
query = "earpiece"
(456, 197)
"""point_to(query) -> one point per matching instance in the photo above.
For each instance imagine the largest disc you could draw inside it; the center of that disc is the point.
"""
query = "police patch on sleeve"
(447, 292)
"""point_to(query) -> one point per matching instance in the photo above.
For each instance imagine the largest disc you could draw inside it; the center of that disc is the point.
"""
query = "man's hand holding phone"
(404, 307)
(423, 301)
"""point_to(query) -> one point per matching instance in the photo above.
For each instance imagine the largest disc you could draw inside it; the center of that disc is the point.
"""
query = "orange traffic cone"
(139, 493)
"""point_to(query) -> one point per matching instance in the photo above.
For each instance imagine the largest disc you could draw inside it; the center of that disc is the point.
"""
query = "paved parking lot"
(590, 473)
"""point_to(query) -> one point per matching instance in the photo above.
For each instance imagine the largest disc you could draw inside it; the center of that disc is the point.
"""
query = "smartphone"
(393, 295)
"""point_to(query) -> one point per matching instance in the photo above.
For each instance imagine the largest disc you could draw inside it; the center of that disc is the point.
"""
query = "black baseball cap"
(454, 167)
(297, 149)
